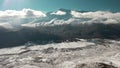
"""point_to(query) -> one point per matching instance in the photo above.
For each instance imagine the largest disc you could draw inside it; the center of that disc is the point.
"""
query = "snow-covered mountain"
(58, 17)
(31, 18)
(59, 39)
(20, 27)
(65, 16)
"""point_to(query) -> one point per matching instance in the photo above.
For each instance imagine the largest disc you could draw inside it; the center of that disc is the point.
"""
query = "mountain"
(59, 39)
(32, 18)
(61, 16)
(20, 27)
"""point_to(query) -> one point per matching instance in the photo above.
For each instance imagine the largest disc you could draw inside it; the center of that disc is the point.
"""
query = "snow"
(14, 50)
(59, 13)
(67, 64)
(26, 66)
(63, 55)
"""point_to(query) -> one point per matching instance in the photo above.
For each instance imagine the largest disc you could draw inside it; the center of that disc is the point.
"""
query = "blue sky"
(51, 5)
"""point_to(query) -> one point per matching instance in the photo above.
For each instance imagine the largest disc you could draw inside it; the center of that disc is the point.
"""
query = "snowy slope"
(91, 53)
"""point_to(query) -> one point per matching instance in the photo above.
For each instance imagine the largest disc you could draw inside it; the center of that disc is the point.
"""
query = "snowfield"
(85, 53)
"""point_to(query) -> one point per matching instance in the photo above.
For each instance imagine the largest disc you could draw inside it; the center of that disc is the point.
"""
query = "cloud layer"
(98, 17)
(28, 17)
(12, 18)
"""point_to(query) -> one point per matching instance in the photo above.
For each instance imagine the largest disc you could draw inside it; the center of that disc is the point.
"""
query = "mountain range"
(27, 25)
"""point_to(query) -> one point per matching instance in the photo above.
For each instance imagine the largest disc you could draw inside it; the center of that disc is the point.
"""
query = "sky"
(51, 5)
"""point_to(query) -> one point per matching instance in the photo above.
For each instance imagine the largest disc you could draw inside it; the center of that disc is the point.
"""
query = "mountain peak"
(65, 10)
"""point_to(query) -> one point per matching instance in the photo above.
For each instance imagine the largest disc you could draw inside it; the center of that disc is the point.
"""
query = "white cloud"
(6, 25)
(98, 17)
(33, 13)
(33, 25)
(11, 18)
(21, 14)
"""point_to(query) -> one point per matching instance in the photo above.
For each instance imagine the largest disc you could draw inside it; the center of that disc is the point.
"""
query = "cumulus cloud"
(98, 17)
(21, 14)
(17, 18)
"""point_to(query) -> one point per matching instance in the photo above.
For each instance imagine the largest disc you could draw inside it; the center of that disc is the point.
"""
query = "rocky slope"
(89, 53)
